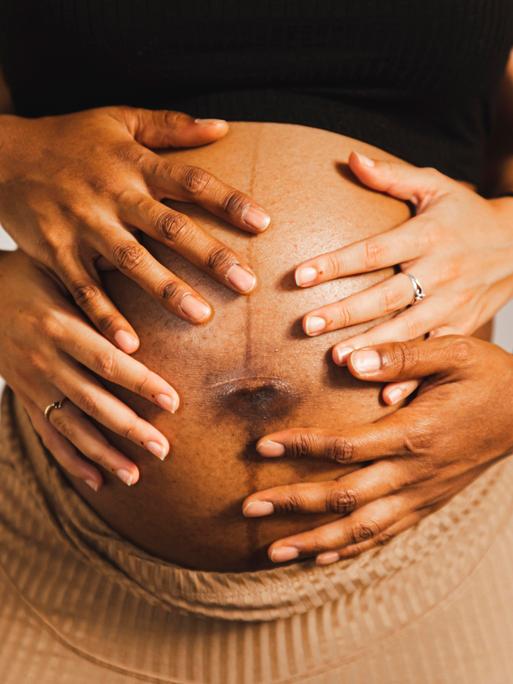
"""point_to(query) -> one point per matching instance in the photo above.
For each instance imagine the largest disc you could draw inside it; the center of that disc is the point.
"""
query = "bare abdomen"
(251, 369)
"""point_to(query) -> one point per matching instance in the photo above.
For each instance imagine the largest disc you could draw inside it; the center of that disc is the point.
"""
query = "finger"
(406, 360)
(365, 523)
(398, 179)
(398, 391)
(194, 184)
(90, 296)
(399, 245)
(132, 259)
(182, 234)
(341, 496)
(61, 449)
(360, 443)
(97, 354)
(79, 430)
(167, 128)
(393, 294)
(410, 324)
(95, 401)
(384, 537)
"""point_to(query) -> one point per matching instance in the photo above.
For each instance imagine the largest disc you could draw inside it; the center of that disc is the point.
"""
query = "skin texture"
(250, 370)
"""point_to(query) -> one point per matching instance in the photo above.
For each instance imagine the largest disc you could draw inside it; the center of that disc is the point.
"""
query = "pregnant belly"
(251, 369)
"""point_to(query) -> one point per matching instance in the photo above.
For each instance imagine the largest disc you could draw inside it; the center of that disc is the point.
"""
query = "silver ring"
(54, 405)
(418, 292)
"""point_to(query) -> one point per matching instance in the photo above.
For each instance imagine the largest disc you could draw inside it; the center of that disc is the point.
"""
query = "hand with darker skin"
(74, 190)
(459, 423)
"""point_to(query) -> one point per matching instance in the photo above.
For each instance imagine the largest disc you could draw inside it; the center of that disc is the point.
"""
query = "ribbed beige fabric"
(79, 605)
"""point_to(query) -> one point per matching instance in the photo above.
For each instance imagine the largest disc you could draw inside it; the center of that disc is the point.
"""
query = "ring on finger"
(54, 405)
(418, 290)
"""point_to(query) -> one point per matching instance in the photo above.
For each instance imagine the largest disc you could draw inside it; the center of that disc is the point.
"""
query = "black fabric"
(416, 77)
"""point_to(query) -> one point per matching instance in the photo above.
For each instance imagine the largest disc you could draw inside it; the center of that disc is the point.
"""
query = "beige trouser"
(80, 605)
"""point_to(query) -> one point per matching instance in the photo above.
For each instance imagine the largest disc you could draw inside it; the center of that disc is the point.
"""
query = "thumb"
(398, 179)
(166, 128)
(410, 360)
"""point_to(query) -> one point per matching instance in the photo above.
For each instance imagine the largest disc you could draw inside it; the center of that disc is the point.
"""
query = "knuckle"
(174, 227)
(173, 119)
(87, 404)
(363, 531)
(344, 317)
(106, 323)
(391, 299)
(140, 386)
(235, 204)
(373, 252)
(302, 445)
(106, 365)
(63, 424)
(291, 503)
(220, 258)
(418, 437)
(52, 327)
(462, 352)
(339, 450)
(341, 501)
(128, 255)
(84, 293)
(401, 356)
(332, 265)
(195, 180)
(384, 538)
(172, 291)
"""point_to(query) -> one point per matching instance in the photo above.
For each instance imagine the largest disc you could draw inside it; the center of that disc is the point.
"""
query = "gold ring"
(54, 405)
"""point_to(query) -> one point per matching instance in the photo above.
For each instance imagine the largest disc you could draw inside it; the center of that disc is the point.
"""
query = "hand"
(48, 351)
(75, 188)
(458, 245)
(460, 422)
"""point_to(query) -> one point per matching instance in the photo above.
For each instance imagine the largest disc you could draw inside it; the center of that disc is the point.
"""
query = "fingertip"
(268, 447)
(93, 484)
(305, 276)
(169, 402)
(341, 354)
(362, 160)
(126, 341)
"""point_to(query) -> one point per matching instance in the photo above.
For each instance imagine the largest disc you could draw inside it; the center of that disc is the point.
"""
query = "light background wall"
(503, 328)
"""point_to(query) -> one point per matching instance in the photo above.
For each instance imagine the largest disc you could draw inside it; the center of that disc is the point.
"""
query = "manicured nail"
(255, 509)
(270, 448)
(395, 395)
(243, 280)
(340, 355)
(158, 450)
(284, 553)
(126, 341)
(168, 402)
(93, 484)
(306, 275)
(193, 308)
(210, 122)
(327, 558)
(365, 160)
(366, 361)
(257, 218)
(314, 324)
(125, 477)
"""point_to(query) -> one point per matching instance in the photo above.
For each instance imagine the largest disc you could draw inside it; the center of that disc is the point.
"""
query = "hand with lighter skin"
(420, 456)
(458, 245)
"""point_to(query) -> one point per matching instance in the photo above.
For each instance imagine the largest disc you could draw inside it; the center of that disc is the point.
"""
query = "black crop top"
(416, 77)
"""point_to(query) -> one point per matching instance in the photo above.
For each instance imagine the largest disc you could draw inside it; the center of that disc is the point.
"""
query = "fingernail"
(257, 218)
(158, 450)
(93, 484)
(125, 477)
(192, 307)
(327, 558)
(210, 122)
(314, 324)
(270, 448)
(243, 280)
(306, 275)
(395, 395)
(366, 161)
(126, 341)
(366, 361)
(169, 402)
(284, 553)
(340, 355)
(255, 509)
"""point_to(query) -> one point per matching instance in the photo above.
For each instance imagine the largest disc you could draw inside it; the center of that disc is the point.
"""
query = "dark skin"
(420, 456)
